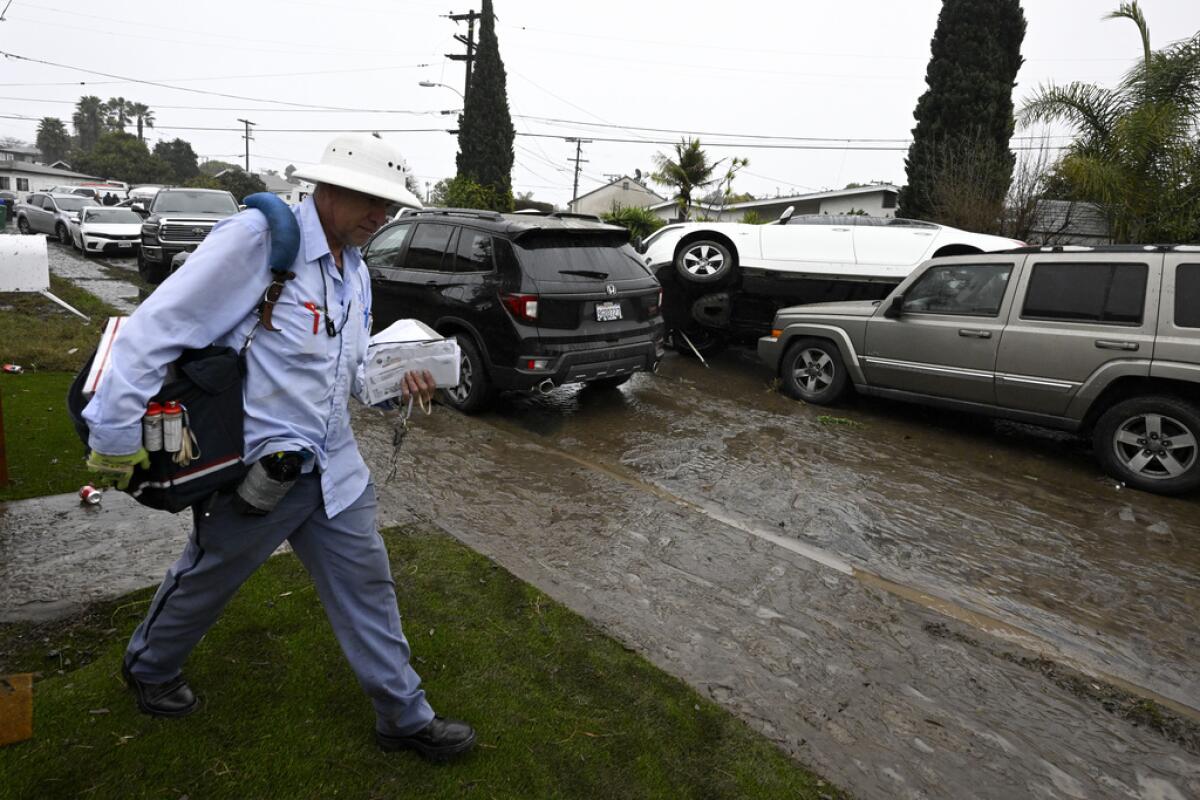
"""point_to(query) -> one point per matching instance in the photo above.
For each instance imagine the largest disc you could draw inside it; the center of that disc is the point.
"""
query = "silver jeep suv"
(1104, 341)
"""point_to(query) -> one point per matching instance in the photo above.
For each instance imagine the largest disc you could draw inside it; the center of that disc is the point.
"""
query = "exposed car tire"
(1151, 443)
(23, 226)
(812, 371)
(151, 272)
(705, 261)
(64, 235)
(708, 341)
(604, 384)
(475, 391)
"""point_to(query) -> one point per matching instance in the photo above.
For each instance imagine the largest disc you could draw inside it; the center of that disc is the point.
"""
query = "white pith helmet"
(365, 164)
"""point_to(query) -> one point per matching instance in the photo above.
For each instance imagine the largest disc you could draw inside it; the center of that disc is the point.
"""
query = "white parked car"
(106, 230)
(725, 280)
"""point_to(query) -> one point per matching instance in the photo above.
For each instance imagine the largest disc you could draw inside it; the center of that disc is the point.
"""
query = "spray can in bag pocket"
(152, 428)
(267, 482)
(172, 426)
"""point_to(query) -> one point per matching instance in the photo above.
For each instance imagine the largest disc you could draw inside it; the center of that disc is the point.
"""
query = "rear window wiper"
(584, 273)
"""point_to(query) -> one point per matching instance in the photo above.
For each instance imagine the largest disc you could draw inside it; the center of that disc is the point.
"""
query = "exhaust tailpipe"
(546, 386)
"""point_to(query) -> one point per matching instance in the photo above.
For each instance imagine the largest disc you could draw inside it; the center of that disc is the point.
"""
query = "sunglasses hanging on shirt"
(329, 328)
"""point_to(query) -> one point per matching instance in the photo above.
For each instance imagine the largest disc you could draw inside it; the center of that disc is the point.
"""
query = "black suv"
(177, 221)
(534, 301)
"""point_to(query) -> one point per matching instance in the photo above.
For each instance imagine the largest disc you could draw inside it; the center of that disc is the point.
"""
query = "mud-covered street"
(916, 604)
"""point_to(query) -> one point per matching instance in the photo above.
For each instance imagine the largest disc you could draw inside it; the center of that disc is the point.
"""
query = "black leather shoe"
(440, 740)
(171, 699)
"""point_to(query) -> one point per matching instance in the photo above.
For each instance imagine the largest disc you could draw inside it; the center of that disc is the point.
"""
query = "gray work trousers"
(347, 560)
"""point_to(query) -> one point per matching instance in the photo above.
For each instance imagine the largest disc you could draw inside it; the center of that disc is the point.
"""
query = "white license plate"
(607, 312)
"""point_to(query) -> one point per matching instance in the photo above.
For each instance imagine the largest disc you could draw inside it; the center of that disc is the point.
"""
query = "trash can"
(3, 215)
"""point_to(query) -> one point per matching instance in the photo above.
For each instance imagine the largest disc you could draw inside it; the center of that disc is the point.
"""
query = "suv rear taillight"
(523, 306)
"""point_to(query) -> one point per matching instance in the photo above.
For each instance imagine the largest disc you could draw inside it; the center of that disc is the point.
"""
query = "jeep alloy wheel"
(1151, 443)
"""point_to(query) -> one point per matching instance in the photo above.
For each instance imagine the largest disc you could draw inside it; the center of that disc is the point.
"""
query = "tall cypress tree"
(485, 132)
(966, 114)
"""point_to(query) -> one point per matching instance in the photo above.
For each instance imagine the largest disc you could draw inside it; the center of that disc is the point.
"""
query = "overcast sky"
(800, 69)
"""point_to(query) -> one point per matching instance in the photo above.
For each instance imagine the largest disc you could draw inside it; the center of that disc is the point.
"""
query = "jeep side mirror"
(895, 308)
(139, 208)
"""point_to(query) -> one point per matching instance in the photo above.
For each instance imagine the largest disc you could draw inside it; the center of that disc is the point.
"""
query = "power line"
(162, 85)
(226, 77)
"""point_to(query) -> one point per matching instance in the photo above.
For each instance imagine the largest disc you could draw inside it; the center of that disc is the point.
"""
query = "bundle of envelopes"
(407, 344)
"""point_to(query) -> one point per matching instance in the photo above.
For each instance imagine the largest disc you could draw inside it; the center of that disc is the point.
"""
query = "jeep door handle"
(1106, 344)
(972, 333)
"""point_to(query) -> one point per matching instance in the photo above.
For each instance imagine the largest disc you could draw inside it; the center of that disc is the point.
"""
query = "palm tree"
(1136, 152)
(690, 170)
(88, 120)
(53, 139)
(143, 116)
(118, 112)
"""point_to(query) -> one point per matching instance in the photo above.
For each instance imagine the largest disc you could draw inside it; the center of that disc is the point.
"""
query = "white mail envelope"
(405, 345)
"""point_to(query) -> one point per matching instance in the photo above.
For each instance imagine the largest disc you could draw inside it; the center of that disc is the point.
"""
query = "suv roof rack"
(477, 213)
(1104, 248)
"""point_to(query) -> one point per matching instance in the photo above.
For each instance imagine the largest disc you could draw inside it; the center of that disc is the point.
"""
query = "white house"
(292, 193)
(20, 152)
(25, 176)
(877, 200)
(624, 192)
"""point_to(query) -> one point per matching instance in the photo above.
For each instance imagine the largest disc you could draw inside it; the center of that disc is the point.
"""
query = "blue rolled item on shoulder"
(285, 231)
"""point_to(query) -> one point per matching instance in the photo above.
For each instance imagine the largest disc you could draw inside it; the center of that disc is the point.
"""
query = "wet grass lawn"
(561, 710)
(50, 344)
(45, 456)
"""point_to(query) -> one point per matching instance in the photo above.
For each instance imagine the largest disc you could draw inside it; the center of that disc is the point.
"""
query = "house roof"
(41, 169)
(275, 184)
(24, 149)
(641, 185)
(775, 201)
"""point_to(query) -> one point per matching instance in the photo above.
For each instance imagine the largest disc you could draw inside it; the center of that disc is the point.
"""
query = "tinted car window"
(1077, 292)
(176, 201)
(73, 203)
(428, 244)
(474, 252)
(968, 289)
(111, 215)
(578, 258)
(1187, 295)
(385, 249)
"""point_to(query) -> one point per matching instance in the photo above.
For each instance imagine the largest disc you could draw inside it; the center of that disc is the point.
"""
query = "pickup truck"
(1104, 341)
(176, 221)
(50, 213)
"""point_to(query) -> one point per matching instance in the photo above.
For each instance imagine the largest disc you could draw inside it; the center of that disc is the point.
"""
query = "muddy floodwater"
(867, 585)
(914, 603)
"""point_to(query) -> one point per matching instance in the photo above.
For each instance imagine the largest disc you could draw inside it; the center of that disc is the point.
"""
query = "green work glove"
(115, 471)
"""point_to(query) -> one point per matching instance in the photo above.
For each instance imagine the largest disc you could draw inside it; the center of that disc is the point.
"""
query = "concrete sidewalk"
(57, 555)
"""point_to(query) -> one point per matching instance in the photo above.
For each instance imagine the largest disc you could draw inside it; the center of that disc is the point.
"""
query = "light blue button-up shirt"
(298, 379)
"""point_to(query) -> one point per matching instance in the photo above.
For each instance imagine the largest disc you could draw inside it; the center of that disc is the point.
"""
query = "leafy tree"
(143, 116)
(754, 217)
(212, 167)
(53, 139)
(120, 156)
(181, 158)
(688, 171)
(485, 129)
(437, 195)
(1136, 152)
(466, 193)
(88, 121)
(239, 184)
(641, 222)
(976, 52)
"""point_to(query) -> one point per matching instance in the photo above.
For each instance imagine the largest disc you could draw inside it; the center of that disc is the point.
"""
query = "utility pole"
(247, 137)
(579, 143)
(469, 41)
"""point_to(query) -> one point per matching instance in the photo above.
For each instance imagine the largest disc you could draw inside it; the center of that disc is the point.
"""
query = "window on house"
(1187, 296)
(22, 184)
(4, 183)
(889, 200)
(1086, 292)
(625, 186)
